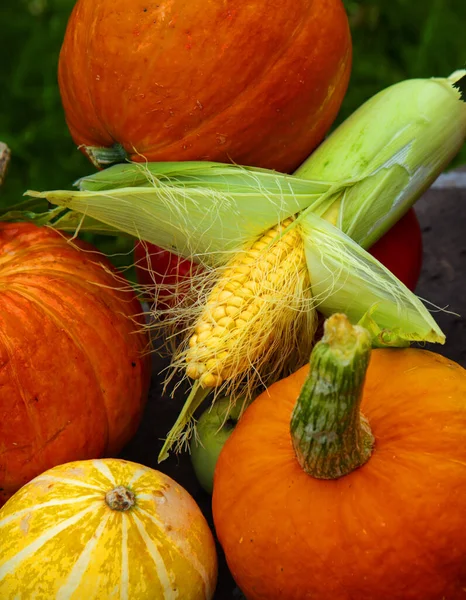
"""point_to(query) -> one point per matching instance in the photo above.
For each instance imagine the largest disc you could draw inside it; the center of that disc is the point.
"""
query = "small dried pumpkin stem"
(120, 498)
(102, 157)
(330, 436)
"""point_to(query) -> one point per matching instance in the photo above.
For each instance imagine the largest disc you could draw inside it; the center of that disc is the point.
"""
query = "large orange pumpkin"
(313, 500)
(258, 82)
(73, 374)
(105, 529)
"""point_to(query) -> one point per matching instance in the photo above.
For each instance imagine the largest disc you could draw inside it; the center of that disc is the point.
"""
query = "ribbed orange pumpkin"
(73, 374)
(258, 82)
(315, 499)
(105, 529)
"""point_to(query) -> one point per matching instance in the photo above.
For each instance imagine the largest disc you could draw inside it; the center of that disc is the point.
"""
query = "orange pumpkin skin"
(391, 530)
(258, 83)
(73, 377)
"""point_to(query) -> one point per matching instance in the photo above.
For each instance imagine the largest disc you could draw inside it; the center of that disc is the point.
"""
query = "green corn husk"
(207, 221)
(339, 268)
(199, 174)
(393, 148)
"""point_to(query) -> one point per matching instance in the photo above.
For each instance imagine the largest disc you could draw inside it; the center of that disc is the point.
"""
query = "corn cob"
(364, 177)
(263, 295)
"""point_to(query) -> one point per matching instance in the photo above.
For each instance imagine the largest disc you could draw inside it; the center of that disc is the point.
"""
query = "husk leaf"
(201, 221)
(346, 278)
(392, 148)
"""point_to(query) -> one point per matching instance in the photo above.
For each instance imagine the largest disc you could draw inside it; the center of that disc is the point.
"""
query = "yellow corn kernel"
(212, 342)
(249, 260)
(195, 370)
(244, 292)
(235, 301)
(209, 380)
(212, 365)
(261, 245)
(202, 326)
(246, 315)
(204, 335)
(224, 295)
(253, 253)
(242, 270)
(252, 285)
(218, 331)
(254, 308)
(241, 278)
(227, 322)
(232, 310)
(193, 341)
(219, 313)
(232, 286)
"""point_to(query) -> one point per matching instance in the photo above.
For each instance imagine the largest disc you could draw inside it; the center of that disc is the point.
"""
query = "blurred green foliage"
(31, 116)
(401, 39)
(392, 39)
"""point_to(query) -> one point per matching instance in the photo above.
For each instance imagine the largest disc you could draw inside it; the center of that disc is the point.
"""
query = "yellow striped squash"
(105, 529)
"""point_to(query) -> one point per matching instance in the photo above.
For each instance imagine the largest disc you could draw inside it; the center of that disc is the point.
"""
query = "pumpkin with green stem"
(348, 481)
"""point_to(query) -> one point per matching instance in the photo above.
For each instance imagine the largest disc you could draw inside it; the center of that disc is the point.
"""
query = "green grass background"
(392, 39)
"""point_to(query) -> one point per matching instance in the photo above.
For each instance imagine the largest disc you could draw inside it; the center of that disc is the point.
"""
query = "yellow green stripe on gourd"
(105, 529)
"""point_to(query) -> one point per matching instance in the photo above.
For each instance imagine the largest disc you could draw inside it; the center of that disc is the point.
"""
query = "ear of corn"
(362, 179)
(261, 302)
(257, 324)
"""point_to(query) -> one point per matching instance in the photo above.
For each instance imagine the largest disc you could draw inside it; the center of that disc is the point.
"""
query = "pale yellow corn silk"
(254, 322)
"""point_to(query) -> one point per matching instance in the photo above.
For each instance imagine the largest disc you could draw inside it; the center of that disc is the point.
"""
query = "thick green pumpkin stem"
(330, 436)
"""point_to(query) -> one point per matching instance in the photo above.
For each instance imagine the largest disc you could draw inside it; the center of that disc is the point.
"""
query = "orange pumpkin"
(336, 488)
(255, 82)
(73, 374)
(105, 529)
